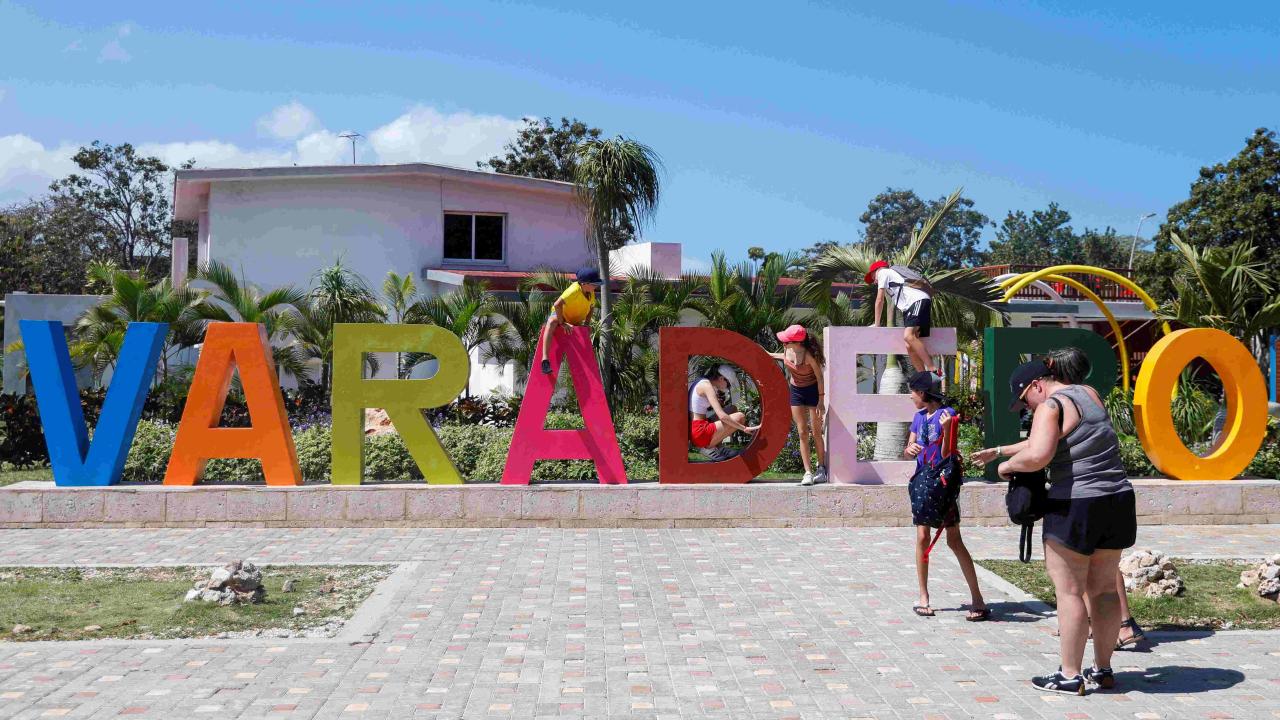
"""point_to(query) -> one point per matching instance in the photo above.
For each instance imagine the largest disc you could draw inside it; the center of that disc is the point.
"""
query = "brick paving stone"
(629, 623)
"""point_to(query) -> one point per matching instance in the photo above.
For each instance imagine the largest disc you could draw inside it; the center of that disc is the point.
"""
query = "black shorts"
(1109, 522)
(919, 315)
(806, 396)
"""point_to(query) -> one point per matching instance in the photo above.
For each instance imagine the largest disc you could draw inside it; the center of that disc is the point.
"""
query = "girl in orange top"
(803, 359)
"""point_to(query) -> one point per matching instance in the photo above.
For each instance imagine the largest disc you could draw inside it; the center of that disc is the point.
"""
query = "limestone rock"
(298, 611)
(238, 582)
(21, 629)
(1266, 576)
(289, 585)
(377, 422)
(1151, 574)
(92, 628)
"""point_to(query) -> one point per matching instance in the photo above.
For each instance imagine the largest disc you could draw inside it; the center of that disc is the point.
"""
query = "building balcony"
(1106, 289)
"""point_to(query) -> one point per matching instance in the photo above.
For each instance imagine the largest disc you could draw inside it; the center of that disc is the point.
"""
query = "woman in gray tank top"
(1091, 517)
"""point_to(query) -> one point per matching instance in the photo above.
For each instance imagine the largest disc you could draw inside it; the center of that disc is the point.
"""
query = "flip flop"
(982, 615)
(922, 610)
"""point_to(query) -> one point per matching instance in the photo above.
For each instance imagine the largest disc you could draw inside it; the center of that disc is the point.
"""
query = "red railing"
(1106, 289)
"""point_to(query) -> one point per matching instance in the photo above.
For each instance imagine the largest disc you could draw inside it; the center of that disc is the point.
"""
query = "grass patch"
(146, 603)
(11, 476)
(1211, 599)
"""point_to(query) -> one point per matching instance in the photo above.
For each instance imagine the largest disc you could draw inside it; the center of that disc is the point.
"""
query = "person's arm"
(1040, 444)
(913, 448)
(714, 398)
(875, 317)
(777, 356)
(986, 455)
(558, 308)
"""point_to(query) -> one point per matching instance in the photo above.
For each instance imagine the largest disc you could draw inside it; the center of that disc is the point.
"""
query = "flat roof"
(191, 187)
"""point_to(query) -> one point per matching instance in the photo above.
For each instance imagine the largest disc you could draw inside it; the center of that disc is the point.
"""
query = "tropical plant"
(99, 332)
(646, 303)
(618, 183)
(468, 312)
(516, 341)
(231, 298)
(338, 295)
(1227, 288)
(398, 293)
(963, 298)
(749, 303)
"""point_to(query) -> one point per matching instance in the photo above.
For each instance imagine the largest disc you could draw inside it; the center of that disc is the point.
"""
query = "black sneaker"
(1059, 683)
(1102, 677)
(546, 367)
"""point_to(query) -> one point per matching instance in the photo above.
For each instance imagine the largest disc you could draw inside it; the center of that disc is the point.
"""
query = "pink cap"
(795, 333)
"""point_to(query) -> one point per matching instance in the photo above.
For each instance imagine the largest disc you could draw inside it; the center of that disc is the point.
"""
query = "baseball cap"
(794, 333)
(870, 277)
(927, 383)
(588, 275)
(1021, 378)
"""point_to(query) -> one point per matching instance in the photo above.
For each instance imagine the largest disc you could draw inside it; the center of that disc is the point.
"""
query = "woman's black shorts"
(920, 315)
(1109, 522)
(806, 396)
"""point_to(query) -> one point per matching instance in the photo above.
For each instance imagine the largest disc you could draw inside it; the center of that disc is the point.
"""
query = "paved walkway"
(732, 623)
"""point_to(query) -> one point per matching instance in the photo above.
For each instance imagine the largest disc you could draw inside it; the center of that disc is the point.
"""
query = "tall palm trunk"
(606, 330)
(891, 437)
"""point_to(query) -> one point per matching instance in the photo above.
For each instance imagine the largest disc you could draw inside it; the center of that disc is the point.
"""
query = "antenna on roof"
(352, 137)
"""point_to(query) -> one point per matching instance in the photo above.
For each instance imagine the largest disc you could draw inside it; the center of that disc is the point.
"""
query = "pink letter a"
(597, 442)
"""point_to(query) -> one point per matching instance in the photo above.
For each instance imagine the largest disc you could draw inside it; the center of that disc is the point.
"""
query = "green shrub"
(314, 452)
(387, 458)
(465, 443)
(1136, 463)
(1267, 463)
(149, 455)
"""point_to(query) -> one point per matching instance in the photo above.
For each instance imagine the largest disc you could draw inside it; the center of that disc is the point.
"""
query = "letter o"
(1245, 392)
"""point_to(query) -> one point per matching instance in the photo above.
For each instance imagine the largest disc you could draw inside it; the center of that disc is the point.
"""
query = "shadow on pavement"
(1178, 679)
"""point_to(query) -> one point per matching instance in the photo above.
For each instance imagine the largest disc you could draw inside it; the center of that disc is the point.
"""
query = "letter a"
(227, 347)
(75, 460)
(404, 400)
(597, 441)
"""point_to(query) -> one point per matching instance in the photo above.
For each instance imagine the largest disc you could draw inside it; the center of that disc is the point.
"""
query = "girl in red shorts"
(704, 398)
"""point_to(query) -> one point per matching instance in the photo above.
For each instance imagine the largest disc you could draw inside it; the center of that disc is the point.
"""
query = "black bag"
(1027, 500)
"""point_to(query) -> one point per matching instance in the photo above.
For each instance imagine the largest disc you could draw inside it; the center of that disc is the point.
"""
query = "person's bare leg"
(916, 350)
(1069, 571)
(802, 431)
(816, 423)
(956, 543)
(1122, 593)
(548, 332)
(1104, 601)
(922, 564)
(723, 430)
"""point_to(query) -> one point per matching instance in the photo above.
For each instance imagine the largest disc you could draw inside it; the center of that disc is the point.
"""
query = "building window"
(474, 237)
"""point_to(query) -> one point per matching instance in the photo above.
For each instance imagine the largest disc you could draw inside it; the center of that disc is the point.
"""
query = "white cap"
(731, 375)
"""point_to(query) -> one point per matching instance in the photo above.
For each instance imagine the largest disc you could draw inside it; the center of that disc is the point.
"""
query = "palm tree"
(338, 295)
(646, 303)
(960, 296)
(752, 304)
(618, 184)
(516, 341)
(398, 293)
(468, 312)
(234, 299)
(1226, 288)
(99, 332)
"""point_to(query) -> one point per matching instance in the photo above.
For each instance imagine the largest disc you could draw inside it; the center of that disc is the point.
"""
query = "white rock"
(1270, 572)
(20, 629)
(298, 611)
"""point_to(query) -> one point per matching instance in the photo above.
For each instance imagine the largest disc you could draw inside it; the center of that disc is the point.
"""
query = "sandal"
(982, 615)
(1133, 640)
(922, 610)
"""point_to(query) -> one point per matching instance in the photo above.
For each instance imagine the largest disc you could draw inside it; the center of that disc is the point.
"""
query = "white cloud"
(113, 51)
(215, 154)
(322, 148)
(74, 46)
(289, 121)
(27, 167)
(424, 134)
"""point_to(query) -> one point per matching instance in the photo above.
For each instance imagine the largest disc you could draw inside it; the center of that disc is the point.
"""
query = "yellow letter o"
(1245, 392)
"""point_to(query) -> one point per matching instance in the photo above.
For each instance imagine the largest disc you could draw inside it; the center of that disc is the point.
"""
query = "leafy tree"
(338, 295)
(618, 183)
(894, 214)
(1230, 202)
(43, 247)
(1042, 238)
(1103, 248)
(127, 195)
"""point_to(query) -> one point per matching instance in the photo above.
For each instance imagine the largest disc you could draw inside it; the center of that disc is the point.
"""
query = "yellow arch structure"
(1053, 274)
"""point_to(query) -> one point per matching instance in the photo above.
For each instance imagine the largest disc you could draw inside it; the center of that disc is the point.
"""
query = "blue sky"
(777, 122)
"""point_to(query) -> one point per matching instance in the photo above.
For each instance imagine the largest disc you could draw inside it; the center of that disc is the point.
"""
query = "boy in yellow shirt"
(571, 309)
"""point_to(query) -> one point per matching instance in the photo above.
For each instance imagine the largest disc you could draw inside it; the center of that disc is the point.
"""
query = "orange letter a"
(228, 346)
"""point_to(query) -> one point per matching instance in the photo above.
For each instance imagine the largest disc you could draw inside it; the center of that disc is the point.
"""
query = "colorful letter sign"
(1245, 391)
(404, 400)
(74, 460)
(229, 347)
(597, 441)
(675, 346)
(1003, 349)
(847, 407)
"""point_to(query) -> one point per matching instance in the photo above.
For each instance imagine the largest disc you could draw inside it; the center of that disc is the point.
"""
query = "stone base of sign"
(42, 505)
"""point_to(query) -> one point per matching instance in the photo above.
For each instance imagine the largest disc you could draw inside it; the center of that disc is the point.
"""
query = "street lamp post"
(1134, 248)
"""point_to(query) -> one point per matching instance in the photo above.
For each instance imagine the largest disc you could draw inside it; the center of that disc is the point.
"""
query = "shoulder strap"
(1062, 416)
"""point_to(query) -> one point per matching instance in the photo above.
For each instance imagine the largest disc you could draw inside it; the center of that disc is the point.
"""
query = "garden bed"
(1211, 599)
(146, 603)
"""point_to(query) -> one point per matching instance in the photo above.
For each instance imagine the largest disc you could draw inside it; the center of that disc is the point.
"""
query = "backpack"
(1027, 500)
(935, 487)
(913, 278)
